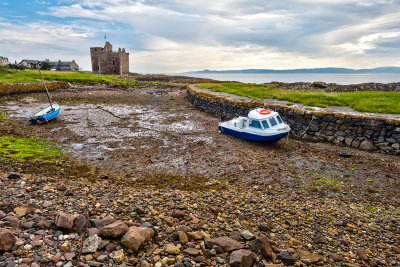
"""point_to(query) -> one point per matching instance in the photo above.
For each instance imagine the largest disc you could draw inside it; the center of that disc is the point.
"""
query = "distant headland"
(381, 70)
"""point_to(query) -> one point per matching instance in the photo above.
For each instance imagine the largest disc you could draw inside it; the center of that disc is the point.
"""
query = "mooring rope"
(299, 136)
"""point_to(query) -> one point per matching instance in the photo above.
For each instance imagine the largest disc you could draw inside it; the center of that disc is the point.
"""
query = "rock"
(7, 239)
(309, 258)
(172, 249)
(179, 214)
(242, 258)
(264, 227)
(220, 260)
(93, 231)
(69, 256)
(226, 243)
(107, 220)
(14, 175)
(64, 220)
(192, 251)
(362, 254)
(115, 229)
(320, 239)
(261, 245)
(136, 236)
(183, 238)
(334, 257)
(286, 258)
(91, 244)
(197, 235)
(200, 259)
(80, 222)
(367, 145)
(21, 211)
(118, 256)
(247, 235)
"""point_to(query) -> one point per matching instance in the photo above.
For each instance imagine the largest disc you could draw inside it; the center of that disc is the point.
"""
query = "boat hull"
(248, 136)
(45, 114)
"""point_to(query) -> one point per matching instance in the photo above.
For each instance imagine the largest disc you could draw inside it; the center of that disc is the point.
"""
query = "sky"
(173, 36)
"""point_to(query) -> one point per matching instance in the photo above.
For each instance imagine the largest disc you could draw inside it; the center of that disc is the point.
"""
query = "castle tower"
(105, 61)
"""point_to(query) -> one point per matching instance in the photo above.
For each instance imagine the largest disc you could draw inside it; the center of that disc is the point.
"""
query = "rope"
(312, 118)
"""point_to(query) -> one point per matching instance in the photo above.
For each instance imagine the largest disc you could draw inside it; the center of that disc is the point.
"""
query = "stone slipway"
(338, 125)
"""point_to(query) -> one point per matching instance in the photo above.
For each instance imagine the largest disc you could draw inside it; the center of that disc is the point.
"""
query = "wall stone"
(361, 132)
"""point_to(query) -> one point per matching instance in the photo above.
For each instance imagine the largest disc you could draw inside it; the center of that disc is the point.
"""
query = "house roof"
(30, 61)
(55, 63)
(3, 57)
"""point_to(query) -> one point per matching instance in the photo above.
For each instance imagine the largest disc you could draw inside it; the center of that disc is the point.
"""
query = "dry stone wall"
(361, 132)
(333, 87)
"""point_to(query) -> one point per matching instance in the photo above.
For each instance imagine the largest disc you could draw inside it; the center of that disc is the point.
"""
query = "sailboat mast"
(45, 87)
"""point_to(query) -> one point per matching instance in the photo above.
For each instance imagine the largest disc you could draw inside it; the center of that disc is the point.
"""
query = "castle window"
(113, 63)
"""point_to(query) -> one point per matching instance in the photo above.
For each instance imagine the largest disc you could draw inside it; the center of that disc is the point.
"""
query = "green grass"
(31, 76)
(366, 101)
(23, 149)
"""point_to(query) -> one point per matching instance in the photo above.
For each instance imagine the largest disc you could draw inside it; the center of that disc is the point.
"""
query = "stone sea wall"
(361, 132)
(17, 88)
(333, 87)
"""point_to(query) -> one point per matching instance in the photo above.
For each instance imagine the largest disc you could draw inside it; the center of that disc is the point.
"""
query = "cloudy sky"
(170, 36)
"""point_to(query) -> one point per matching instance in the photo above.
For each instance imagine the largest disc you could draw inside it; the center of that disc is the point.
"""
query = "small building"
(64, 65)
(29, 63)
(3, 61)
(105, 61)
(54, 65)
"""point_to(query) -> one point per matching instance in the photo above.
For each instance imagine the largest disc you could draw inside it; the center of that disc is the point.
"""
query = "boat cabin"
(259, 121)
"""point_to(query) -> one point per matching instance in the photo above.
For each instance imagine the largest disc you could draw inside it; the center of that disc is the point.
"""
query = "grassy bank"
(30, 76)
(367, 101)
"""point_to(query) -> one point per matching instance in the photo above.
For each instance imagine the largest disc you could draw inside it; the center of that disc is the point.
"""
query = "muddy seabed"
(155, 130)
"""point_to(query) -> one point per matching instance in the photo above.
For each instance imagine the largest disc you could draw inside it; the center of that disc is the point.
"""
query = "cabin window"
(272, 121)
(279, 119)
(265, 124)
(255, 124)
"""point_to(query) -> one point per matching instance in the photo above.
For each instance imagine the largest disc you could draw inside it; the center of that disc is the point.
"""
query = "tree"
(45, 65)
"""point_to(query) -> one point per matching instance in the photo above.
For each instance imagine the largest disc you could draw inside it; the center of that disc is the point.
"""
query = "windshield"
(265, 124)
(272, 121)
(255, 124)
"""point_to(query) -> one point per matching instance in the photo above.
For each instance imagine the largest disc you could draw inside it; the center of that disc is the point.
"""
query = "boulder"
(7, 239)
(80, 222)
(242, 258)
(115, 229)
(226, 243)
(136, 237)
(91, 244)
(309, 258)
(367, 145)
(262, 246)
(64, 220)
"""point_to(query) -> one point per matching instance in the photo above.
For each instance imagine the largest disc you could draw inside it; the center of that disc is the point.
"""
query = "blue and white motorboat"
(46, 114)
(259, 125)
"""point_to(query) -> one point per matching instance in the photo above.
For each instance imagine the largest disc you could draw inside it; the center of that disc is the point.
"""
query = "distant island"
(381, 70)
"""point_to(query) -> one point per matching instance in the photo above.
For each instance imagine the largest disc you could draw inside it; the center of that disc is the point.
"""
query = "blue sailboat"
(48, 113)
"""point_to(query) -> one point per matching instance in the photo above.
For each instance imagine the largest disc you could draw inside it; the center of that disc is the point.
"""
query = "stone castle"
(105, 61)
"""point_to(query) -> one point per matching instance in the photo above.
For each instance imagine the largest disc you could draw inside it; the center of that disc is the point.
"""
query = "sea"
(291, 78)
